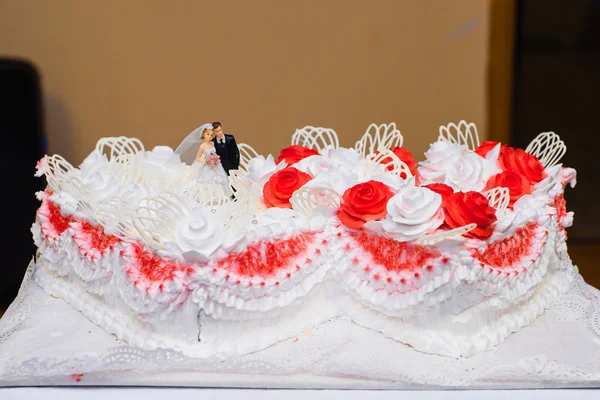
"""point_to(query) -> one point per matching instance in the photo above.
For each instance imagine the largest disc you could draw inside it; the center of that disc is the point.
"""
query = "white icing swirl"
(313, 165)
(471, 171)
(413, 212)
(95, 163)
(199, 235)
(335, 178)
(260, 169)
(440, 157)
(160, 162)
(342, 157)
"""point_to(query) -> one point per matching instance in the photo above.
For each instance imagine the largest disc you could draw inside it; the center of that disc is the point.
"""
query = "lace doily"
(43, 341)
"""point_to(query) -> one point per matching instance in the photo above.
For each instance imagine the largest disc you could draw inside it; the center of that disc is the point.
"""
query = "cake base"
(45, 341)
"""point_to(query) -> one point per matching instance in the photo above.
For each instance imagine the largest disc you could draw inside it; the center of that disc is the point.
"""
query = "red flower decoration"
(282, 184)
(364, 202)
(443, 190)
(523, 163)
(517, 184)
(472, 207)
(295, 153)
(487, 146)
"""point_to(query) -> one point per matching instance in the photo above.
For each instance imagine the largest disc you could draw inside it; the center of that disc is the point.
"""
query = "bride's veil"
(188, 149)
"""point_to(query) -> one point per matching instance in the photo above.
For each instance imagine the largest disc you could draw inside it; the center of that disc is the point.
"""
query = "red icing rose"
(282, 184)
(406, 157)
(487, 146)
(443, 190)
(295, 153)
(364, 202)
(472, 207)
(516, 183)
(523, 163)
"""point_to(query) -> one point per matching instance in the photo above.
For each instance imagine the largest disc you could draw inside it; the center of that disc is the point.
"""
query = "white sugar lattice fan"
(115, 146)
(56, 169)
(247, 153)
(155, 218)
(241, 183)
(379, 138)
(386, 161)
(463, 133)
(499, 198)
(115, 214)
(305, 200)
(163, 183)
(236, 215)
(129, 168)
(209, 195)
(548, 148)
(454, 234)
(316, 138)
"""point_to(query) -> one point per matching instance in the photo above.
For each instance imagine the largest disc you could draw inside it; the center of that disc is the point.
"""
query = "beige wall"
(158, 69)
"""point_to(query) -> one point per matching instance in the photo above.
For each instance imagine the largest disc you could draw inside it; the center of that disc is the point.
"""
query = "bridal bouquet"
(213, 160)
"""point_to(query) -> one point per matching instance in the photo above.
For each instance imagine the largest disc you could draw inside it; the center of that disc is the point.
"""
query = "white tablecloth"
(43, 341)
(249, 394)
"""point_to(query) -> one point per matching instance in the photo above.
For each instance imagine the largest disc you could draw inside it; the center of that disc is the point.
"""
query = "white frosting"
(335, 178)
(313, 165)
(161, 162)
(342, 157)
(199, 234)
(453, 305)
(260, 169)
(441, 156)
(412, 213)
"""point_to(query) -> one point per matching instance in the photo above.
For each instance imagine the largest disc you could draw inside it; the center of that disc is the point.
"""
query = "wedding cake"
(450, 255)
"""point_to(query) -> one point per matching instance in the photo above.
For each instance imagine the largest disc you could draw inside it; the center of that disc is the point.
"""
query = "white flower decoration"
(412, 213)
(471, 171)
(440, 157)
(199, 235)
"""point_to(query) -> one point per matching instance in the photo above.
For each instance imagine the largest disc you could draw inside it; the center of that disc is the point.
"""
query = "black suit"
(229, 152)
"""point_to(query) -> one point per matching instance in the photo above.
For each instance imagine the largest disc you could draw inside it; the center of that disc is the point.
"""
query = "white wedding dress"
(204, 174)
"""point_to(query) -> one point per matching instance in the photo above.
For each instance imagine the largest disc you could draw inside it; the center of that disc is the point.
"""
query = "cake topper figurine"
(226, 148)
(199, 150)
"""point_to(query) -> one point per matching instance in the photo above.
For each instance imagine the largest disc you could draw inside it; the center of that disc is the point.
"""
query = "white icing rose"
(313, 165)
(335, 178)
(260, 169)
(413, 212)
(199, 234)
(394, 181)
(440, 157)
(94, 163)
(471, 171)
(161, 162)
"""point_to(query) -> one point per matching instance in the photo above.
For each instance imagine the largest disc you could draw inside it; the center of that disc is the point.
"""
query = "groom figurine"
(226, 148)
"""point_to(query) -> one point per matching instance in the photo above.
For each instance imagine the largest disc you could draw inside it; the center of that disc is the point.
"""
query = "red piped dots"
(265, 258)
(506, 252)
(389, 280)
(152, 267)
(376, 277)
(402, 281)
(393, 255)
(429, 267)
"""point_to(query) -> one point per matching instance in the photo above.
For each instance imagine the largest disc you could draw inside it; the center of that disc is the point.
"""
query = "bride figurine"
(198, 149)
